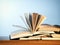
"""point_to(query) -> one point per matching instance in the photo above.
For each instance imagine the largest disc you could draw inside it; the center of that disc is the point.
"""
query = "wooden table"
(29, 42)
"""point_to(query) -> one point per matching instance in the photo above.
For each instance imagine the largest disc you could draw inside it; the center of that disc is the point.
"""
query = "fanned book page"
(34, 21)
(27, 19)
(25, 22)
(30, 19)
(35, 29)
(40, 21)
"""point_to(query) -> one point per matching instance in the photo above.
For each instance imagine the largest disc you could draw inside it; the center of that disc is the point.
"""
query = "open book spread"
(35, 29)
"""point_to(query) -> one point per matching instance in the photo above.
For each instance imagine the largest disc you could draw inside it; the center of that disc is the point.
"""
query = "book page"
(40, 21)
(34, 20)
(24, 20)
(27, 20)
(30, 19)
(49, 28)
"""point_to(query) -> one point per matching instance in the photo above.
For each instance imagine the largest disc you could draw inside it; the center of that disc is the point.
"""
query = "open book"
(36, 30)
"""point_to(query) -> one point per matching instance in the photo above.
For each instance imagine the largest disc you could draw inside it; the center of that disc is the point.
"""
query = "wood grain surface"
(29, 42)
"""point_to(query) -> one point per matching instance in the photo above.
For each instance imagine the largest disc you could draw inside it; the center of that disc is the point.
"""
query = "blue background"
(11, 10)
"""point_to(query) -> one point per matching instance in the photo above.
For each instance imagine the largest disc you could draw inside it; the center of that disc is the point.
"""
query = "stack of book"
(36, 30)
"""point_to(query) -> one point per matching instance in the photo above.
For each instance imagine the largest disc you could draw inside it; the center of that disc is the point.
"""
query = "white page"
(24, 20)
(27, 20)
